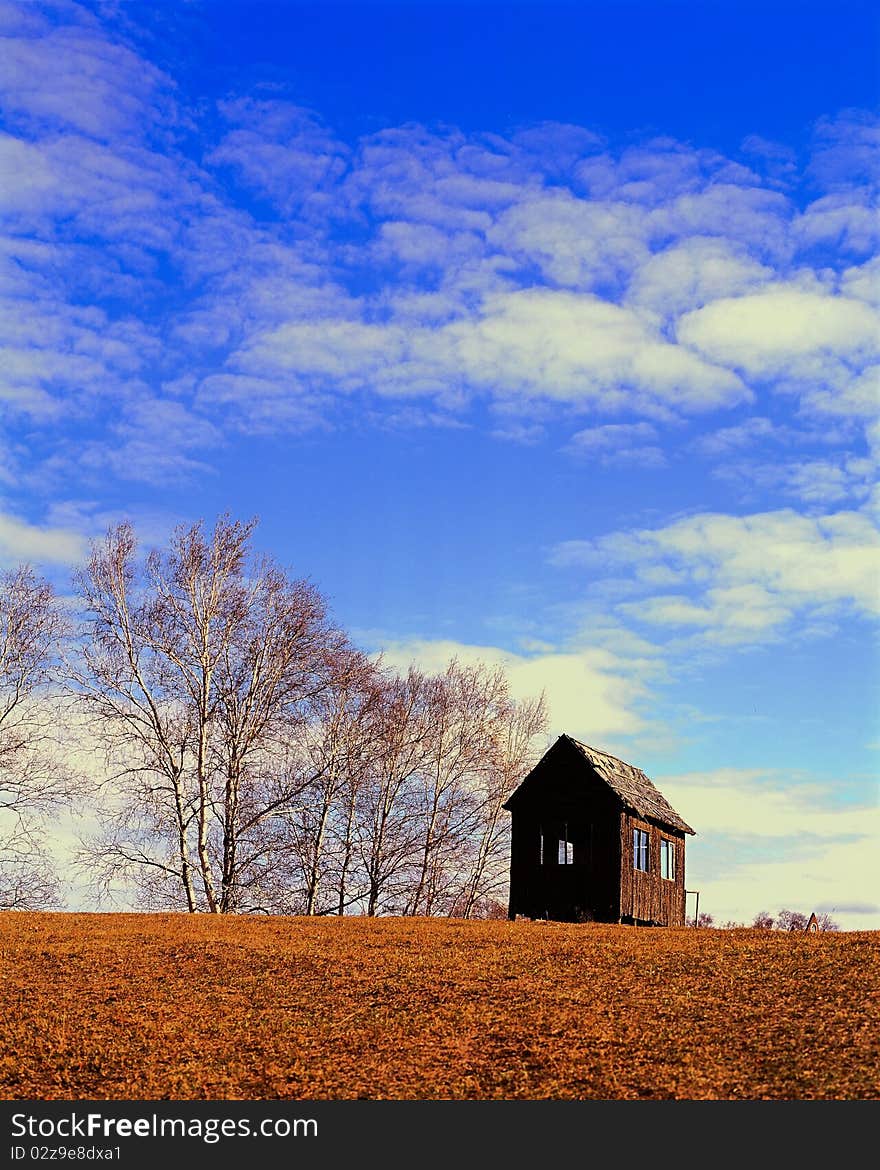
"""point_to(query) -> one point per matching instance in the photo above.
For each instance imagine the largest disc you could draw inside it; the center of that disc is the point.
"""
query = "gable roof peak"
(630, 784)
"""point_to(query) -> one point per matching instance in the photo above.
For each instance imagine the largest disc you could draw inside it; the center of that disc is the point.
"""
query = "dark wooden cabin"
(592, 840)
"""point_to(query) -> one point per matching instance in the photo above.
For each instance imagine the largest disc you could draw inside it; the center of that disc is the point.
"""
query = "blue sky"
(543, 334)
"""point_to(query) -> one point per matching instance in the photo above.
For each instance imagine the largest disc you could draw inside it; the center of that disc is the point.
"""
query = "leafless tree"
(826, 922)
(317, 845)
(258, 760)
(464, 705)
(515, 733)
(763, 921)
(387, 824)
(791, 920)
(34, 781)
(794, 920)
(444, 752)
(199, 668)
(705, 919)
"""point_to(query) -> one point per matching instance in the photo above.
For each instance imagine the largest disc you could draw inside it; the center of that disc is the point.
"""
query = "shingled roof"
(631, 785)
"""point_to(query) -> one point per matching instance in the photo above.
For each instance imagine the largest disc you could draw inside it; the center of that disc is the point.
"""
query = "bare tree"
(763, 921)
(33, 780)
(257, 760)
(199, 667)
(791, 920)
(515, 735)
(705, 919)
(464, 705)
(387, 815)
(336, 748)
(448, 751)
(826, 922)
(414, 825)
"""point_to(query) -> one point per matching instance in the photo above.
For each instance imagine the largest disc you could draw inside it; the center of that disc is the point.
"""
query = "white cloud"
(410, 173)
(35, 178)
(745, 576)
(863, 281)
(538, 271)
(845, 151)
(553, 147)
(845, 222)
(766, 331)
(529, 344)
(154, 438)
(57, 359)
(730, 614)
(78, 78)
(752, 216)
(753, 431)
(779, 159)
(615, 443)
(822, 482)
(857, 398)
(424, 246)
(281, 151)
(582, 349)
(693, 272)
(21, 542)
(573, 242)
(591, 692)
(766, 843)
(652, 174)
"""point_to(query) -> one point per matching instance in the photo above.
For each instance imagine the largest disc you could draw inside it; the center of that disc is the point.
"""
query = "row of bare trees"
(251, 757)
(787, 920)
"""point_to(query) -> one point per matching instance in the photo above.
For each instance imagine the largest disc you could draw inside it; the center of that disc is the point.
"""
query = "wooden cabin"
(592, 840)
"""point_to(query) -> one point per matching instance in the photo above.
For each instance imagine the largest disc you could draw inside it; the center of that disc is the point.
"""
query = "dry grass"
(145, 1007)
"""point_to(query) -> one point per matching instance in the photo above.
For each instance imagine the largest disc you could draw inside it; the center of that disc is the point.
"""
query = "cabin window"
(562, 853)
(640, 850)
(667, 859)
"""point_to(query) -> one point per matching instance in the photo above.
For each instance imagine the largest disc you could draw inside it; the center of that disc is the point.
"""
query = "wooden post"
(696, 909)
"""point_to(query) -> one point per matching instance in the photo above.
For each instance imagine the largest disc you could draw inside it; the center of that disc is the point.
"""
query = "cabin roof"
(629, 783)
(632, 786)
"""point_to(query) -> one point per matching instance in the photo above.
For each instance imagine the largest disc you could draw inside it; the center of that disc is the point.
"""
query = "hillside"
(133, 1007)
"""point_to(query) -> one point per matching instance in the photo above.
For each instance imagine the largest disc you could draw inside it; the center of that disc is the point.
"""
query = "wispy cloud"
(313, 279)
(818, 483)
(742, 579)
(593, 691)
(280, 151)
(22, 542)
(619, 443)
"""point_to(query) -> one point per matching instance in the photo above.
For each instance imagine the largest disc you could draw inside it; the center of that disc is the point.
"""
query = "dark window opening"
(554, 847)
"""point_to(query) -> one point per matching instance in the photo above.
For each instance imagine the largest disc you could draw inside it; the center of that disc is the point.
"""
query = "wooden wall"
(647, 897)
(565, 801)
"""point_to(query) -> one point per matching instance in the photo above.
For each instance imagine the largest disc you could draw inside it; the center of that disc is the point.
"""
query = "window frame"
(641, 850)
(668, 859)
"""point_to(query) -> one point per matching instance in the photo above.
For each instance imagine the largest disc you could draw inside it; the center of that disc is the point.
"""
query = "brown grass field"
(146, 1007)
